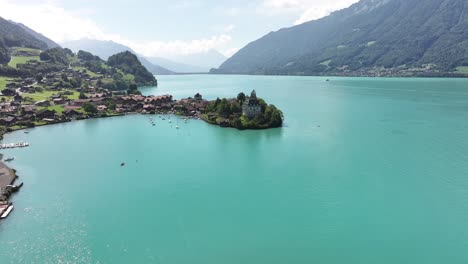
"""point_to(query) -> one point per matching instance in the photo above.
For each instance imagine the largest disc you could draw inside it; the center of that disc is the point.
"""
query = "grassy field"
(92, 74)
(75, 95)
(57, 108)
(36, 52)
(462, 69)
(36, 97)
(3, 82)
(21, 60)
(45, 95)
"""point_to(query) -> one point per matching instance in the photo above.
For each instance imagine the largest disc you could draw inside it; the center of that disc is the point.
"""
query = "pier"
(14, 145)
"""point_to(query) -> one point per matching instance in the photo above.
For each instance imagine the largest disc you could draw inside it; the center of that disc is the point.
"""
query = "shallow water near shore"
(364, 171)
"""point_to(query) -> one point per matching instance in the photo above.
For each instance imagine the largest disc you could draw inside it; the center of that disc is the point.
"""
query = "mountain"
(203, 60)
(15, 36)
(12, 35)
(50, 43)
(369, 36)
(154, 68)
(105, 49)
(178, 67)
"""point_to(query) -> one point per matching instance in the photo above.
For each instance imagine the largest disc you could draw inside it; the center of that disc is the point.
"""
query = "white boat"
(177, 127)
(7, 212)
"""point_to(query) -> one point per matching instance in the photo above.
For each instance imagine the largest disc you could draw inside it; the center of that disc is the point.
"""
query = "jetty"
(14, 145)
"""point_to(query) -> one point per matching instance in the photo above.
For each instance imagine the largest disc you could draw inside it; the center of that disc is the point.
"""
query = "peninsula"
(243, 112)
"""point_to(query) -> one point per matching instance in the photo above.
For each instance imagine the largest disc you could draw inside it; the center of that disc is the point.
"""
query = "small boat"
(122, 164)
(170, 121)
(328, 80)
(26, 132)
(154, 124)
(7, 212)
(10, 159)
(177, 127)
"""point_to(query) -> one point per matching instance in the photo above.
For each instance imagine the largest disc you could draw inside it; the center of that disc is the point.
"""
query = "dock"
(14, 145)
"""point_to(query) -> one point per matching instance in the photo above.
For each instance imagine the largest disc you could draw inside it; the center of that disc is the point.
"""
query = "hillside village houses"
(24, 112)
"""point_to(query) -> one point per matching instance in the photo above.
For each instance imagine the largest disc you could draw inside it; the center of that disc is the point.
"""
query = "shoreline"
(7, 179)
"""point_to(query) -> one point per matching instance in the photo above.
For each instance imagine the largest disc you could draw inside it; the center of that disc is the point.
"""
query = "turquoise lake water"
(364, 171)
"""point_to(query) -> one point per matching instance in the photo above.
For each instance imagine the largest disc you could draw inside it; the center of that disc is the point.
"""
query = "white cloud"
(177, 47)
(307, 9)
(51, 20)
(229, 52)
(229, 28)
(60, 25)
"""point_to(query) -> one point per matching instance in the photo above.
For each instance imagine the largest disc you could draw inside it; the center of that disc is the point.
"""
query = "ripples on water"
(365, 171)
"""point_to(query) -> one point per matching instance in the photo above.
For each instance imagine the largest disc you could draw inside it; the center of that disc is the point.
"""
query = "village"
(23, 105)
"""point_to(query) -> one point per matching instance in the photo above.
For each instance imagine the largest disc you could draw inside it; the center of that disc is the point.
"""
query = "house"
(149, 108)
(80, 102)
(96, 95)
(45, 114)
(59, 101)
(6, 121)
(251, 106)
(7, 108)
(43, 103)
(18, 98)
(101, 108)
(9, 92)
(28, 109)
(71, 112)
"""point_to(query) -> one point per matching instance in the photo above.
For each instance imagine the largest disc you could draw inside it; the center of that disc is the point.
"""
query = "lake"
(365, 170)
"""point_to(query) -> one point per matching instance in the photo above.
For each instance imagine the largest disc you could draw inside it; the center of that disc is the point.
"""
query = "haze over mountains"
(193, 63)
(367, 38)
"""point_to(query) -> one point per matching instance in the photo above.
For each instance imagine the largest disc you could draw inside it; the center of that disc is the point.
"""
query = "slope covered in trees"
(15, 36)
(129, 64)
(372, 35)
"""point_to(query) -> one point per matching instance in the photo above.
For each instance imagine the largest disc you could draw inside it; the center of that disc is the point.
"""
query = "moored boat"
(6, 212)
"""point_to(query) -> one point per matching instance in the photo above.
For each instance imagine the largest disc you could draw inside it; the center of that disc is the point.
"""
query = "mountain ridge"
(371, 37)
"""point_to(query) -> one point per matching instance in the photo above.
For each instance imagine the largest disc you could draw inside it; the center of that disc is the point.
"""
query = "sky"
(166, 28)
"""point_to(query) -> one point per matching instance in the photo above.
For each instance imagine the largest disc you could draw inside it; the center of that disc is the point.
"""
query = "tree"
(39, 78)
(90, 108)
(241, 97)
(44, 56)
(133, 89)
(64, 77)
(82, 96)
